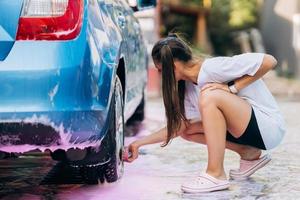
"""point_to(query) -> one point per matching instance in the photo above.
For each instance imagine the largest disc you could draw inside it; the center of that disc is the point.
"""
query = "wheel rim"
(119, 124)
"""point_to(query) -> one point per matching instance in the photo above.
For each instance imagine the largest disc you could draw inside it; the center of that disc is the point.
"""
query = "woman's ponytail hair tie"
(172, 35)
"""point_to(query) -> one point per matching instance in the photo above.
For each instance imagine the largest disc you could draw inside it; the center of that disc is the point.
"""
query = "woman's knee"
(185, 135)
(209, 98)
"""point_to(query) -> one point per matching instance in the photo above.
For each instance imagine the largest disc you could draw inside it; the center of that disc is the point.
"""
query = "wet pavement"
(158, 172)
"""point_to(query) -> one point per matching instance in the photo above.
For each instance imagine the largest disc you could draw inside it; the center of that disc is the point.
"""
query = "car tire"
(113, 170)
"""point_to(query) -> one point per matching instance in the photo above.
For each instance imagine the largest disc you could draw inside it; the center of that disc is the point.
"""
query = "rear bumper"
(50, 103)
(56, 92)
(23, 132)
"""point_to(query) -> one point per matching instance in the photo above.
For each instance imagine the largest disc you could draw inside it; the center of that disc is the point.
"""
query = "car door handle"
(121, 21)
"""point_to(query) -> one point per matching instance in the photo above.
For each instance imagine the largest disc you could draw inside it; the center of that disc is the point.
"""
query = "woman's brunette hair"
(165, 52)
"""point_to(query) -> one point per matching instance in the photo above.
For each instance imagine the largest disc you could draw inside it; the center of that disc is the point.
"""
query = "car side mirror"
(138, 5)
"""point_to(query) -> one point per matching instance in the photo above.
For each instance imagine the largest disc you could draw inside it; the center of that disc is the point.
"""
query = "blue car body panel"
(70, 83)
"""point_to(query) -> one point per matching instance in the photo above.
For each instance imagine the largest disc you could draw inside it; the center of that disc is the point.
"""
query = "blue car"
(72, 72)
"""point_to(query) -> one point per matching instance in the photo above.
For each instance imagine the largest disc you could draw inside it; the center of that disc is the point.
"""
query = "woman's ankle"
(218, 174)
(250, 153)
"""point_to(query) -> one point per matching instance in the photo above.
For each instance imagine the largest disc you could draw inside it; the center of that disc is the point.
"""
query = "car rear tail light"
(50, 20)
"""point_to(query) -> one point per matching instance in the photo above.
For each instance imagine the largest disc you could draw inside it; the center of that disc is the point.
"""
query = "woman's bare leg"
(195, 133)
(221, 111)
(245, 152)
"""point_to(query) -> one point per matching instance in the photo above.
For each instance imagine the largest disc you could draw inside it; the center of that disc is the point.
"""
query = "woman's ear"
(178, 65)
(175, 65)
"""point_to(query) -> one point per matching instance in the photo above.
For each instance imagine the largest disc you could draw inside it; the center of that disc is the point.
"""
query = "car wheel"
(113, 170)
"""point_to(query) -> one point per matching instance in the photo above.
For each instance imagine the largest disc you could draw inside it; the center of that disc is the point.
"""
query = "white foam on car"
(65, 142)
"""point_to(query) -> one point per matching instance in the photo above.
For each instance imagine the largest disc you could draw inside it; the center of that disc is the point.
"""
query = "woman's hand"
(131, 152)
(214, 86)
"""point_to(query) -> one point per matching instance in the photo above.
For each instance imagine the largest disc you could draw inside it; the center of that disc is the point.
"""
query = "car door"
(122, 29)
(137, 57)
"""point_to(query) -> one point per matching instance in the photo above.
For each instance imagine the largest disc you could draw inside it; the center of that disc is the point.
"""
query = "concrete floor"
(168, 167)
(158, 172)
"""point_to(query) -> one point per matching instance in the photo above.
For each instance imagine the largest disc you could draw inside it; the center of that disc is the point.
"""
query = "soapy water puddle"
(158, 172)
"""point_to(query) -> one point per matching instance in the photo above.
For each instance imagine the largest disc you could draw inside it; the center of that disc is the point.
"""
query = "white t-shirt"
(224, 69)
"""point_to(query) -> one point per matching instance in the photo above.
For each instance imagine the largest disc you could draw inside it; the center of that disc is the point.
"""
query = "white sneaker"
(247, 168)
(204, 183)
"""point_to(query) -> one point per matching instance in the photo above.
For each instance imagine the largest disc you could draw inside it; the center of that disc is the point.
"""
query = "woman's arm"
(156, 137)
(269, 62)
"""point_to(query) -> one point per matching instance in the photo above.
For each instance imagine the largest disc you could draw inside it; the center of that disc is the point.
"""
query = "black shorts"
(251, 136)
